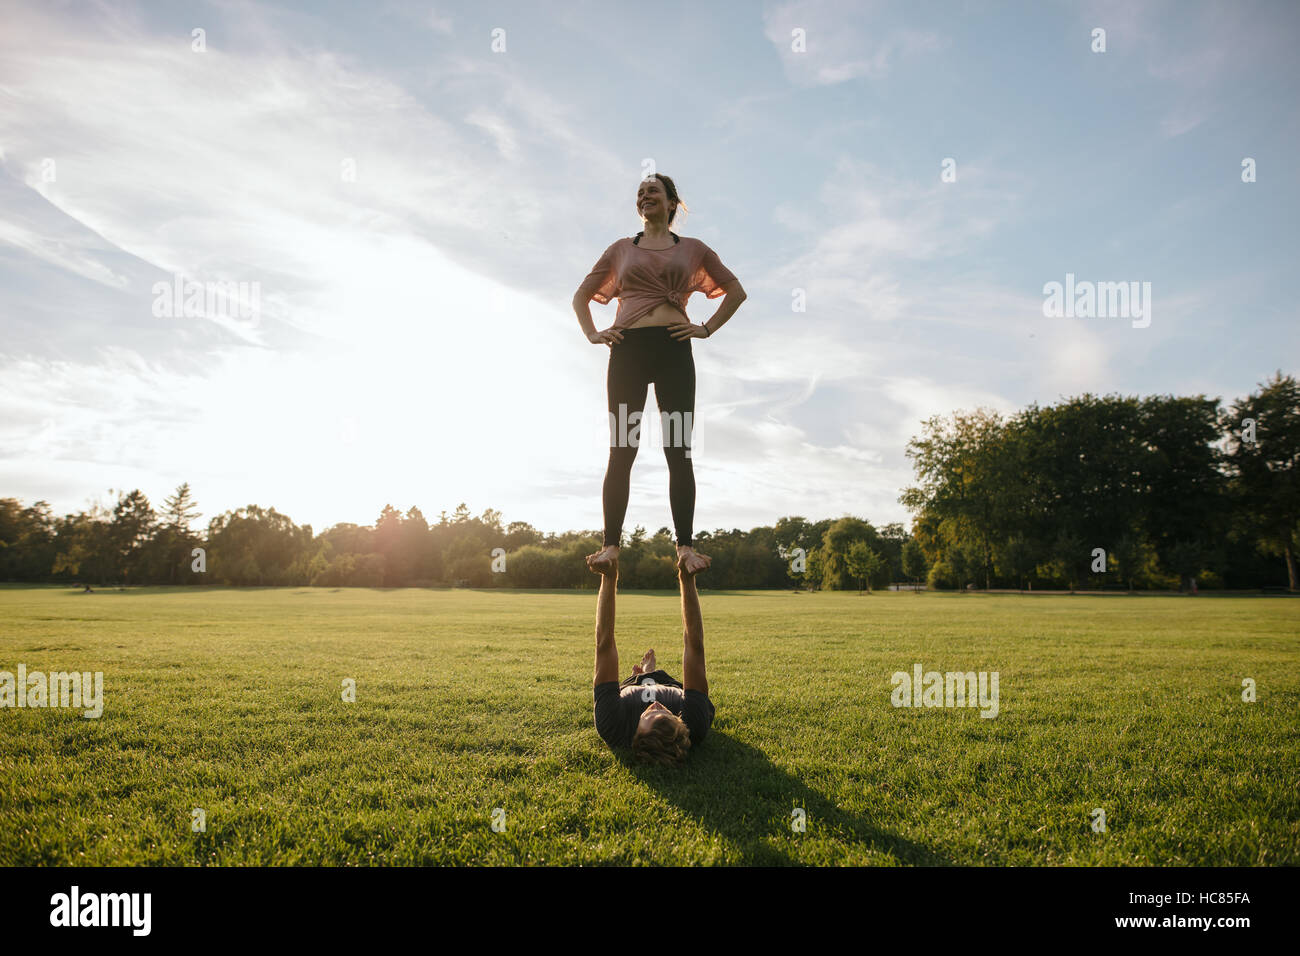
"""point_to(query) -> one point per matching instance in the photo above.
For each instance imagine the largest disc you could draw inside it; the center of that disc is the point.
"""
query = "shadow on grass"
(735, 791)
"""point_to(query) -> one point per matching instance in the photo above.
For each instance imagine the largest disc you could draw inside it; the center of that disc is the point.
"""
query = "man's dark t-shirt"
(619, 707)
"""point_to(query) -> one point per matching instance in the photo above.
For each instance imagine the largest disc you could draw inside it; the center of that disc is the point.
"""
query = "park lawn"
(467, 701)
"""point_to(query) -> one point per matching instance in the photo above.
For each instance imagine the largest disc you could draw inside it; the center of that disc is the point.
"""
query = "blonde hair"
(666, 742)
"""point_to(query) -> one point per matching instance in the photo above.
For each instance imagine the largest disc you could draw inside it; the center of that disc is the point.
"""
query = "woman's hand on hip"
(609, 336)
(684, 330)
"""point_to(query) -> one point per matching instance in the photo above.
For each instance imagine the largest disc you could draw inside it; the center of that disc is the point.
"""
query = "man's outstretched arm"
(606, 650)
(693, 677)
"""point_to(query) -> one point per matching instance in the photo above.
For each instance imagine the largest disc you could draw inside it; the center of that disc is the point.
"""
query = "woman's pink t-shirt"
(643, 278)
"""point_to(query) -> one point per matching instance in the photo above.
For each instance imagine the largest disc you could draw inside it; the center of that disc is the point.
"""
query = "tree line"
(1094, 492)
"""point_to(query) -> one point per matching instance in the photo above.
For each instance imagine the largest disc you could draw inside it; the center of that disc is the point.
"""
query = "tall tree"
(963, 472)
(255, 546)
(914, 563)
(133, 524)
(1263, 458)
(1184, 505)
(836, 544)
(174, 541)
(865, 564)
(180, 508)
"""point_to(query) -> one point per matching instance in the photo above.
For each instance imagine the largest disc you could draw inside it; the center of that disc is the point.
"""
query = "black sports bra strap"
(637, 240)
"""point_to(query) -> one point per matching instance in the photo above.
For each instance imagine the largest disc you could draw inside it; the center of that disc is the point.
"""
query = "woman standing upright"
(653, 275)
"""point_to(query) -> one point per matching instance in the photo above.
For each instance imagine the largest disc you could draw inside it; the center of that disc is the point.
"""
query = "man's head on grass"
(661, 737)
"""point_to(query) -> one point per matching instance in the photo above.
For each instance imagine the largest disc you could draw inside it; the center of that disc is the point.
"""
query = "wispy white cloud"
(76, 255)
(869, 225)
(501, 133)
(1180, 121)
(844, 41)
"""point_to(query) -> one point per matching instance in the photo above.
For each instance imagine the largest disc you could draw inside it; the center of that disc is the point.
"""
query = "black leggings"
(650, 354)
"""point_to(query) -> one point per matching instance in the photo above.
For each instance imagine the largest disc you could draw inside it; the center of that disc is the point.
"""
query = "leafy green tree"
(411, 555)
(370, 571)
(82, 551)
(1080, 466)
(893, 538)
(836, 543)
(1070, 557)
(337, 573)
(1185, 505)
(866, 564)
(1265, 471)
(28, 546)
(180, 508)
(1186, 559)
(534, 566)
(388, 528)
(1134, 556)
(173, 540)
(914, 563)
(1016, 559)
(963, 473)
(132, 526)
(254, 546)
(963, 558)
(858, 561)
(311, 565)
(941, 576)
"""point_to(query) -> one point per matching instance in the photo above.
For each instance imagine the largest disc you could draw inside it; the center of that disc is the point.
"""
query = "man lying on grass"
(659, 718)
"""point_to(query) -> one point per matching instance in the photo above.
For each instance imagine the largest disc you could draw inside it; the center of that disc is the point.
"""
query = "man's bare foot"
(691, 561)
(647, 664)
(604, 561)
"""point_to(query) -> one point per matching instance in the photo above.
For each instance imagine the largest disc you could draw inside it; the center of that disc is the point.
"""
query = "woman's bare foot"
(690, 560)
(604, 561)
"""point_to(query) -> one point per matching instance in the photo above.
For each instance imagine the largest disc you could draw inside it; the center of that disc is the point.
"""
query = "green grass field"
(230, 701)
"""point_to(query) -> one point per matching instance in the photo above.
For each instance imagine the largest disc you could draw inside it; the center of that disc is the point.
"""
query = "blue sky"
(415, 342)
